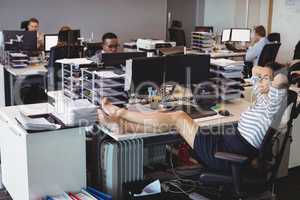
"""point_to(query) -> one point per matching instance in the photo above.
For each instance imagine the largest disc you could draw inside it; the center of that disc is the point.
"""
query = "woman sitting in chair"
(245, 138)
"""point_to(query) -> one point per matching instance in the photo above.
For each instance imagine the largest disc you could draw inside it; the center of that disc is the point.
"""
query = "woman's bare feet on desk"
(109, 108)
(111, 123)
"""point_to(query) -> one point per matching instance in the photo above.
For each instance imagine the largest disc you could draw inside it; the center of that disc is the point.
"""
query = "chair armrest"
(231, 157)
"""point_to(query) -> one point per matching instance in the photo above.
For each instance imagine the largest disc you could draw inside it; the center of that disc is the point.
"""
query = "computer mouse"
(224, 112)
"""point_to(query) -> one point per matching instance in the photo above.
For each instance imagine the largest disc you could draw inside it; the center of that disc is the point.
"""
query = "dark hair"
(34, 20)
(62, 36)
(109, 36)
(260, 30)
(65, 28)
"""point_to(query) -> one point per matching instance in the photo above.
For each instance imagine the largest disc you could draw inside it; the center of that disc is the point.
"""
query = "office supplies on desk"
(202, 41)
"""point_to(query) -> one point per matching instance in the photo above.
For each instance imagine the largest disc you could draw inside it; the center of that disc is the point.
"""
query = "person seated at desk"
(34, 25)
(245, 138)
(110, 44)
(259, 40)
(62, 50)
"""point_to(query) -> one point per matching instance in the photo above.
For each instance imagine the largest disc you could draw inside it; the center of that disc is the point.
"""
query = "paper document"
(152, 188)
(75, 61)
(225, 62)
(108, 74)
(35, 124)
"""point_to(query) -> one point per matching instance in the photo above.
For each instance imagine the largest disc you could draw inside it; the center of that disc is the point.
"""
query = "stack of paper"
(75, 61)
(35, 124)
(227, 68)
(80, 112)
(228, 89)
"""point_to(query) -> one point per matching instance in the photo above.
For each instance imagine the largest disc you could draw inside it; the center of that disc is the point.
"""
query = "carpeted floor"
(287, 189)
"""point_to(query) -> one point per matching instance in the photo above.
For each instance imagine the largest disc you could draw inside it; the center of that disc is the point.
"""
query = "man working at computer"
(110, 44)
(258, 42)
(33, 25)
(245, 138)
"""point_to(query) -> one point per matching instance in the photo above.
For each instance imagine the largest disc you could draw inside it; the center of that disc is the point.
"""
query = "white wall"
(232, 13)
(286, 21)
(219, 14)
(128, 18)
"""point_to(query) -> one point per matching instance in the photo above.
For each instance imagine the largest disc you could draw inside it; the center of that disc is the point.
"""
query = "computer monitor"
(118, 59)
(187, 69)
(70, 37)
(146, 72)
(226, 35)
(50, 40)
(20, 40)
(240, 35)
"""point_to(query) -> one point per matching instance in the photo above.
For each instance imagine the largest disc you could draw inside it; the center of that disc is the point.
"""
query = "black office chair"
(274, 37)
(297, 51)
(178, 36)
(252, 177)
(24, 25)
(269, 53)
(29, 90)
(54, 69)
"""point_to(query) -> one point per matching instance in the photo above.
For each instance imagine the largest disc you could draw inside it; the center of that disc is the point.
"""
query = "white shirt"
(254, 52)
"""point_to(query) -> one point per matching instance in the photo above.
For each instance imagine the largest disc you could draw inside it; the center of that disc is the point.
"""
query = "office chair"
(54, 69)
(24, 25)
(268, 53)
(30, 90)
(249, 177)
(297, 51)
(274, 37)
(204, 29)
(178, 36)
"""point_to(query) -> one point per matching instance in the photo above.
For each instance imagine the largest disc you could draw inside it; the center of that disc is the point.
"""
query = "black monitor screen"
(117, 59)
(70, 37)
(187, 69)
(20, 40)
(147, 72)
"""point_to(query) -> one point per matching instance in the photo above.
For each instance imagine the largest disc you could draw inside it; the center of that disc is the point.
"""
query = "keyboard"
(195, 112)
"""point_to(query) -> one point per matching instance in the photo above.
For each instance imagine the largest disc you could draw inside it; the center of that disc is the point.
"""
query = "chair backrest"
(178, 36)
(269, 161)
(274, 37)
(297, 51)
(268, 53)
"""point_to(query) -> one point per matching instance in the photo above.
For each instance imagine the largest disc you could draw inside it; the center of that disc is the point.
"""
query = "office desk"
(17, 75)
(220, 54)
(124, 164)
(43, 163)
